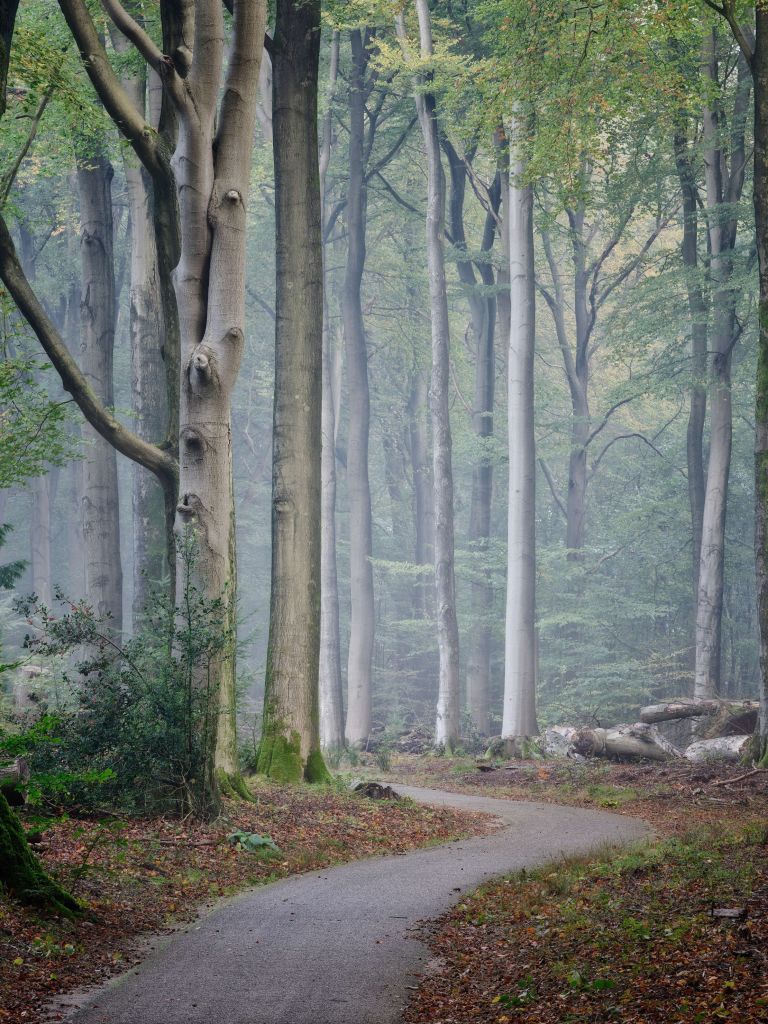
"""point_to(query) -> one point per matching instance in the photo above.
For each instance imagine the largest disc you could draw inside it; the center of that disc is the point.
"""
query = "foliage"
(140, 716)
(32, 427)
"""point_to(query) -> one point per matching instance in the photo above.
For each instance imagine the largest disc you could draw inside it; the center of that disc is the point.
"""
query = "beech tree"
(290, 742)
(447, 723)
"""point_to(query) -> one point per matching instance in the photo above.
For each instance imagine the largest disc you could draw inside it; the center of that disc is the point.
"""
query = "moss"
(280, 758)
(21, 872)
(233, 785)
(315, 770)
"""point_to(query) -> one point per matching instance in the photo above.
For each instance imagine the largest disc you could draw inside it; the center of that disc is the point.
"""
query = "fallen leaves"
(137, 875)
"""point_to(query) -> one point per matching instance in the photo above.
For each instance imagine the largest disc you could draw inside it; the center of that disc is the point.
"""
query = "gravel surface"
(338, 947)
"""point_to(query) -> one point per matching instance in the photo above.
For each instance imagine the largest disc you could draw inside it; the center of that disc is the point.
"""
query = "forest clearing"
(384, 412)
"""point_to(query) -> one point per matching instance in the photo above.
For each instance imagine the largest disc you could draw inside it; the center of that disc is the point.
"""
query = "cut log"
(557, 740)
(682, 708)
(632, 741)
(13, 776)
(722, 748)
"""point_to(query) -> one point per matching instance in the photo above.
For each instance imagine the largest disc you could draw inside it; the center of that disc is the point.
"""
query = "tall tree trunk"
(40, 540)
(482, 305)
(290, 745)
(330, 685)
(40, 493)
(697, 308)
(519, 715)
(100, 501)
(152, 528)
(360, 522)
(724, 180)
(760, 194)
(423, 491)
(448, 713)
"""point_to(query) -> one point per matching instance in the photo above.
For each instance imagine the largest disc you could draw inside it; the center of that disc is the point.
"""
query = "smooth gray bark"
(448, 712)
(360, 657)
(519, 712)
(290, 745)
(331, 696)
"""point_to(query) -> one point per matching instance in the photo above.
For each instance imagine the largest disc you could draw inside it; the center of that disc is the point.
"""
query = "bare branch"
(553, 487)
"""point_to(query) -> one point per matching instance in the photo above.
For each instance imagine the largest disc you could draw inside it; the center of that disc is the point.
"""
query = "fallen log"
(683, 708)
(722, 748)
(632, 741)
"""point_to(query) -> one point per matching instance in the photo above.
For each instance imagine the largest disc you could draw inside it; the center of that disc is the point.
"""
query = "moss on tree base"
(232, 784)
(280, 759)
(21, 873)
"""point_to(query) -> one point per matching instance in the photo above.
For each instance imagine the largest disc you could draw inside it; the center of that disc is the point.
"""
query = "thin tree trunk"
(723, 193)
(290, 745)
(448, 714)
(40, 540)
(40, 518)
(360, 656)
(149, 386)
(760, 193)
(100, 501)
(482, 306)
(330, 684)
(519, 715)
(423, 491)
(698, 312)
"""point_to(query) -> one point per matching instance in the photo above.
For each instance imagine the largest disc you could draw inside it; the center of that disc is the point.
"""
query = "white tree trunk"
(448, 709)
(519, 715)
(330, 684)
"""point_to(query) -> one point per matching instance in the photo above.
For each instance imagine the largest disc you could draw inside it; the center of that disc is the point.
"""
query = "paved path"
(335, 947)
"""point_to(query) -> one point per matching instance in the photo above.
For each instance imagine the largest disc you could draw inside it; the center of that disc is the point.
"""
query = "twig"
(739, 778)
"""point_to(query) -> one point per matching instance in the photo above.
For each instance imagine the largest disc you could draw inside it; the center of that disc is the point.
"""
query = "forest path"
(336, 947)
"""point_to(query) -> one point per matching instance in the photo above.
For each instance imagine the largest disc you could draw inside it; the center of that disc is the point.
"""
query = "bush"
(140, 717)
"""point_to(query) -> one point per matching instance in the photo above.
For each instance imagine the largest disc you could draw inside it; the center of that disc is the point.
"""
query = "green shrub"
(139, 717)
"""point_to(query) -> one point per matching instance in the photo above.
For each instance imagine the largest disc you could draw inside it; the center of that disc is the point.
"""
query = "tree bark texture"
(361, 629)
(290, 745)
(100, 501)
(448, 714)
(211, 166)
(519, 712)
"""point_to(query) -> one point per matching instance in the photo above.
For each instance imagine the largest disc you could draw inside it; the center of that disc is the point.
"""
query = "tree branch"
(101, 419)
(553, 487)
(116, 100)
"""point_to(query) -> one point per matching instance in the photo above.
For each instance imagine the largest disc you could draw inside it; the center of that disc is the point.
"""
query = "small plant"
(250, 842)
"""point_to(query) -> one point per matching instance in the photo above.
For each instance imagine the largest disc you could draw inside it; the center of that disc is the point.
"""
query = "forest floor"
(676, 931)
(140, 876)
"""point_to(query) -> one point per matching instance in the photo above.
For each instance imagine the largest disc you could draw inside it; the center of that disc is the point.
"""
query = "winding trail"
(336, 947)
